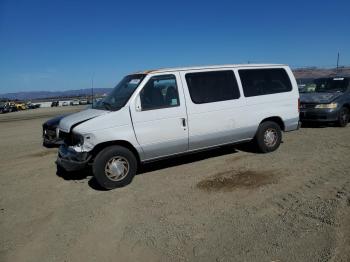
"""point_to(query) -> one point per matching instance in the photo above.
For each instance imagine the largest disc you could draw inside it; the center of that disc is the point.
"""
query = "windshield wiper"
(110, 106)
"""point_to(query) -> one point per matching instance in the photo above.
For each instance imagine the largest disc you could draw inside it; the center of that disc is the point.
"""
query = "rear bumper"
(292, 124)
(318, 115)
(71, 160)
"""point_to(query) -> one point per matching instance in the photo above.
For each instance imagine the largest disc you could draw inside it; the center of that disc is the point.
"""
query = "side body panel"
(161, 132)
(216, 123)
(282, 105)
(344, 99)
(109, 127)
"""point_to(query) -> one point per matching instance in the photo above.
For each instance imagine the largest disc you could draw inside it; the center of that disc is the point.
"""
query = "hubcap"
(117, 168)
(270, 137)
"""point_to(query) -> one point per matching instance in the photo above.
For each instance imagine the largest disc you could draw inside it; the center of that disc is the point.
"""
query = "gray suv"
(326, 100)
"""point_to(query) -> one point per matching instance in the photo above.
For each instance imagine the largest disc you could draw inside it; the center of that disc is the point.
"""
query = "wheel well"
(123, 143)
(277, 120)
(347, 106)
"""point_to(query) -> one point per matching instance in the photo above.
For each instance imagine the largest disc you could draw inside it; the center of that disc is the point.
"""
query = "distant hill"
(314, 72)
(301, 74)
(35, 95)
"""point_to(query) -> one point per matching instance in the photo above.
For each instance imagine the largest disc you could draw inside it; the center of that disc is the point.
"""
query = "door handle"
(183, 121)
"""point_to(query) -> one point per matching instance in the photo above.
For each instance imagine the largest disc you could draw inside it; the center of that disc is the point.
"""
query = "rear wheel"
(343, 117)
(114, 166)
(268, 137)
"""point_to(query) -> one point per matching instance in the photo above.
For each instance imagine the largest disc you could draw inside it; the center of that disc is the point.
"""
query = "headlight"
(78, 139)
(327, 106)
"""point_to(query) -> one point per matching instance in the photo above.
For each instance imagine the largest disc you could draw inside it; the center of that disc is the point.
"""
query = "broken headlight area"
(72, 160)
(70, 154)
(71, 139)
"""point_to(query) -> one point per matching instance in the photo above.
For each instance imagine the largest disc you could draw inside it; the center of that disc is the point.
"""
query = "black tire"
(60, 171)
(100, 164)
(343, 118)
(262, 145)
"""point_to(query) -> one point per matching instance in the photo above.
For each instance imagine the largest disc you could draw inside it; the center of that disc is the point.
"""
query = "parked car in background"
(21, 106)
(8, 107)
(83, 102)
(75, 102)
(161, 113)
(65, 103)
(54, 103)
(328, 101)
(3, 108)
(50, 138)
(33, 106)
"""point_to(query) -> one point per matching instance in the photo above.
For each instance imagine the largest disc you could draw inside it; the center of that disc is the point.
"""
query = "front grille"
(63, 135)
(51, 133)
(48, 132)
(307, 105)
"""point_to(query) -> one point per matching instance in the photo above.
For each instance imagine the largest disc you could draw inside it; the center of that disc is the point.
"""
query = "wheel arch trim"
(99, 147)
(278, 120)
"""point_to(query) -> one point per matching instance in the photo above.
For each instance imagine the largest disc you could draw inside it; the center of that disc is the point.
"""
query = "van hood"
(318, 97)
(54, 122)
(69, 121)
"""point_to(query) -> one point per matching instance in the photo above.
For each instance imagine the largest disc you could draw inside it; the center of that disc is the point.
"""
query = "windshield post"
(121, 93)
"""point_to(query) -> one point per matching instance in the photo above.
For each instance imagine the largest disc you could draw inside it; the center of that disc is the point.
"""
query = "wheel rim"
(270, 137)
(117, 168)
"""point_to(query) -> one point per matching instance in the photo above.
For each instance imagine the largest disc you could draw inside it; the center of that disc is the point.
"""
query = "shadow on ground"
(80, 175)
(186, 159)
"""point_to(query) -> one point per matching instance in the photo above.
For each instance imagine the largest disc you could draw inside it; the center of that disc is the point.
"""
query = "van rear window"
(257, 82)
(213, 86)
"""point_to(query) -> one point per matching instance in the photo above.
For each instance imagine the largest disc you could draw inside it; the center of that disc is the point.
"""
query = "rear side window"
(214, 86)
(257, 82)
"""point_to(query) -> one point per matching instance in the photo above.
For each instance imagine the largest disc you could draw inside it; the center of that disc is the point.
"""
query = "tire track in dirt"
(317, 200)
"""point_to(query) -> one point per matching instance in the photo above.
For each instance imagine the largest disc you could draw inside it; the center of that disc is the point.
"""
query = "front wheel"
(114, 166)
(343, 117)
(268, 137)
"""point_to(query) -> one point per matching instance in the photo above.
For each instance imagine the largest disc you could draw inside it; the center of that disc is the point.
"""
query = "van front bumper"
(71, 160)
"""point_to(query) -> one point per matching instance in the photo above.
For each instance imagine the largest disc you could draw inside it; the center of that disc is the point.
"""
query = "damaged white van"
(161, 113)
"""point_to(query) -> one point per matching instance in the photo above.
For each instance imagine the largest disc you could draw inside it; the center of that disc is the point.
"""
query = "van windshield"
(121, 93)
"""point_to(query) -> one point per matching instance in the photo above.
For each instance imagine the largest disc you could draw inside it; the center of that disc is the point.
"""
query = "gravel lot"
(226, 204)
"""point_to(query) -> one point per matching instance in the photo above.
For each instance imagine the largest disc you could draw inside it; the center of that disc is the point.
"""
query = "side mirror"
(138, 107)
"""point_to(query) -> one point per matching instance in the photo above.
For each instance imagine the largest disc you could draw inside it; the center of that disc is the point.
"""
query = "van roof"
(163, 70)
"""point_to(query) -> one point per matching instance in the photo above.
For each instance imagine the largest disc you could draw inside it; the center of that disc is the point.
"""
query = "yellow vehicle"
(21, 106)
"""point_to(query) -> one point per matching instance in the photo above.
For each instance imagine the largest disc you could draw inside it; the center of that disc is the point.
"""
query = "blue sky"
(60, 45)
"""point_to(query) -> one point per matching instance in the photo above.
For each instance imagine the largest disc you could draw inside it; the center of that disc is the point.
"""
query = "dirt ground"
(227, 204)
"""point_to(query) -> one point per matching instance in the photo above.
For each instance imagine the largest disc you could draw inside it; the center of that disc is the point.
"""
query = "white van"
(160, 113)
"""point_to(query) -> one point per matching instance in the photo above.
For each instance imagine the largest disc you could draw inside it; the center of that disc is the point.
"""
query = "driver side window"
(160, 92)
